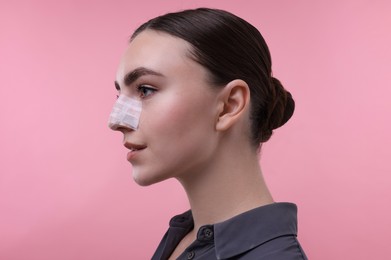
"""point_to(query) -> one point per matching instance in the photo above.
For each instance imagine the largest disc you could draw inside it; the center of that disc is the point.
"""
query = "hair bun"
(283, 107)
(280, 109)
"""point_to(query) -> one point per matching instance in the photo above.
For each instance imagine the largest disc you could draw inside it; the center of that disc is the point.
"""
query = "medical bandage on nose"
(126, 113)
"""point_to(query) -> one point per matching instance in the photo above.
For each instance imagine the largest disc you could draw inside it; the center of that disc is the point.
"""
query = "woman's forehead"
(149, 48)
(155, 44)
(157, 51)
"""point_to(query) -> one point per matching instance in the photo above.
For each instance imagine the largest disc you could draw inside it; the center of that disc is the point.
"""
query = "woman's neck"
(226, 188)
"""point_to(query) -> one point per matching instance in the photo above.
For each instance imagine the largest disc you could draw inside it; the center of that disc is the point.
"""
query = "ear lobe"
(234, 100)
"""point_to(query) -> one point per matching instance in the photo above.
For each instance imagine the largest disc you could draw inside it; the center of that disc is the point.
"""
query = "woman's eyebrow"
(133, 75)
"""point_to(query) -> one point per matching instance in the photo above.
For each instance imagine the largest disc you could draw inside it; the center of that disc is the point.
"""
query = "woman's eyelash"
(145, 90)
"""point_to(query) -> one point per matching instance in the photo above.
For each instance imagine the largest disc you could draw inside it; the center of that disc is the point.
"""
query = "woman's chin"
(144, 179)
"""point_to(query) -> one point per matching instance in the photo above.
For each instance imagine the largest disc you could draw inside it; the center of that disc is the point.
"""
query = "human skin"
(176, 126)
(190, 130)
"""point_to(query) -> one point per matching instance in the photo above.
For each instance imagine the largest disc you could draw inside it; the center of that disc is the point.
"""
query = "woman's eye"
(145, 91)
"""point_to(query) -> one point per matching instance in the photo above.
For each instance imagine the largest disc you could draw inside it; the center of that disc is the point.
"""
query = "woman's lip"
(132, 146)
(134, 150)
(133, 153)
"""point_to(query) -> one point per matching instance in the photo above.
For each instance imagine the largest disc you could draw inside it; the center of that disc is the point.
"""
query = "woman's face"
(176, 135)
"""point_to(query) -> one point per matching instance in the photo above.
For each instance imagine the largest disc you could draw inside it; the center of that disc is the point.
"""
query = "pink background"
(65, 186)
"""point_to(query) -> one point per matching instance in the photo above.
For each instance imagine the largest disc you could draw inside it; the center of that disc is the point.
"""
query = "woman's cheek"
(167, 113)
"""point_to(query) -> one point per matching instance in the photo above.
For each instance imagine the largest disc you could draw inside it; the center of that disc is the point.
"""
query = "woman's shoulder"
(267, 232)
(280, 248)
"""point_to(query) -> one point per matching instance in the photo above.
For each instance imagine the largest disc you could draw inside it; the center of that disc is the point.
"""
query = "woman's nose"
(120, 127)
(125, 114)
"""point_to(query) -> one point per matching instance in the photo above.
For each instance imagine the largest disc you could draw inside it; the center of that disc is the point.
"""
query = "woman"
(197, 100)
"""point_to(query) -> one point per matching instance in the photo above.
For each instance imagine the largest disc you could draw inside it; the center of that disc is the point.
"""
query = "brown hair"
(231, 48)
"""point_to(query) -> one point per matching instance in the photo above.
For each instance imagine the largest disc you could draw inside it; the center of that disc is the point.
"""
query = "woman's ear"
(234, 99)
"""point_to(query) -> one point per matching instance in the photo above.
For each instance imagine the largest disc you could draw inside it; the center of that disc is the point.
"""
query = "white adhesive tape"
(126, 113)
